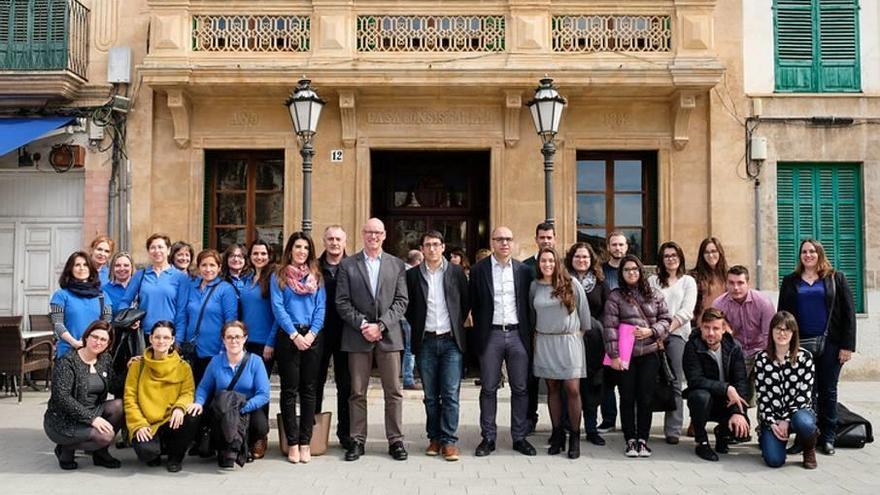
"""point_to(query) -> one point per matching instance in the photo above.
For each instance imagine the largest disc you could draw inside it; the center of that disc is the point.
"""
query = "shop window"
(244, 198)
(816, 45)
(618, 191)
(823, 202)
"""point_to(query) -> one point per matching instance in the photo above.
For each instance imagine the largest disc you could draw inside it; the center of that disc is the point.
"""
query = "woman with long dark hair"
(256, 313)
(784, 386)
(680, 292)
(298, 302)
(79, 415)
(821, 301)
(561, 315)
(710, 273)
(77, 303)
(584, 266)
(158, 389)
(635, 303)
(235, 265)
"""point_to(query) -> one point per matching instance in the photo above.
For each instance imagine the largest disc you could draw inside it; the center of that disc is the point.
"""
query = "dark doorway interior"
(447, 191)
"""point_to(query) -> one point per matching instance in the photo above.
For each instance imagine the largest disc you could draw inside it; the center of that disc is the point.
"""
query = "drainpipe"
(753, 170)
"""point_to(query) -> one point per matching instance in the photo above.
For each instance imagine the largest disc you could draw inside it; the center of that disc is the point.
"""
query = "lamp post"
(546, 109)
(305, 107)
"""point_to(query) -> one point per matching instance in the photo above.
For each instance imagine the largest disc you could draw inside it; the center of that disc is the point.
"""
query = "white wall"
(758, 50)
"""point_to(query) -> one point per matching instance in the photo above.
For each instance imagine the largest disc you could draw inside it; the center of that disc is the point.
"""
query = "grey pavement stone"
(28, 466)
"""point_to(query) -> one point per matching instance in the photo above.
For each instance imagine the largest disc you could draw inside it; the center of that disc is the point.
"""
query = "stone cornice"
(38, 88)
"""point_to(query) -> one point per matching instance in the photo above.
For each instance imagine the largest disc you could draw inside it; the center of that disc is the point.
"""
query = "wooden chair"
(18, 357)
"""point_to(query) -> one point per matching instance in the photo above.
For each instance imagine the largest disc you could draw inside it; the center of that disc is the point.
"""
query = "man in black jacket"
(438, 306)
(716, 376)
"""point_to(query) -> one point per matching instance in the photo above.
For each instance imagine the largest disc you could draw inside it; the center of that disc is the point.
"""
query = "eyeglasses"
(161, 337)
(236, 256)
(503, 240)
(632, 269)
(234, 338)
(670, 256)
(432, 245)
(374, 232)
(97, 338)
(783, 330)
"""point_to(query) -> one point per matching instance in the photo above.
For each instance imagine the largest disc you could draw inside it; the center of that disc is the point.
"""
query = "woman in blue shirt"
(298, 301)
(182, 256)
(210, 302)
(158, 288)
(121, 270)
(101, 249)
(77, 303)
(821, 301)
(253, 384)
(234, 265)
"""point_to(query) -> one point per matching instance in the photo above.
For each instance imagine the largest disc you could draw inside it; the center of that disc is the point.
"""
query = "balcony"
(44, 50)
(641, 46)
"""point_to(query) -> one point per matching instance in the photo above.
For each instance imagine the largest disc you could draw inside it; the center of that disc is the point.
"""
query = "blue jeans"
(409, 361)
(440, 363)
(802, 423)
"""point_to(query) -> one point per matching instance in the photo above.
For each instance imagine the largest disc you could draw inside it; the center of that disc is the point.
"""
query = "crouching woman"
(232, 393)
(157, 391)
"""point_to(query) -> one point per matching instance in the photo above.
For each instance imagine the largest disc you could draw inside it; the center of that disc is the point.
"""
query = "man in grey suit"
(371, 300)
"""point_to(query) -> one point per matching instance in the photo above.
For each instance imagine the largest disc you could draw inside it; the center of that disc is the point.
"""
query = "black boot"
(574, 444)
(103, 458)
(557, 441)
(65, 458)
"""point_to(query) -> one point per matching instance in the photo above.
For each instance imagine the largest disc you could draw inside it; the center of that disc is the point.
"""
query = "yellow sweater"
(154, 388)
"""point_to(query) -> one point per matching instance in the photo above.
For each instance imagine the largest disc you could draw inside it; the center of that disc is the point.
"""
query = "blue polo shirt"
(79, 313)
(159, 294)
(253, 382)
(256, 313)
(104, 274)
(116, 292)
(221, 308)
(292, 309)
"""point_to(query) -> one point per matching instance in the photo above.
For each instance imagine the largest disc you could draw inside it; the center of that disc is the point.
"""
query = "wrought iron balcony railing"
(44, 35)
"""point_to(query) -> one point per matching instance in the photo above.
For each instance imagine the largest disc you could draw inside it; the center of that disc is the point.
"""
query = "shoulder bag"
(816, 345)
(188, 348)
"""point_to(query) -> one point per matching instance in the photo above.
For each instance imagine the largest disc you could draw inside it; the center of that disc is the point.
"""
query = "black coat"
(332, 331)
(455, 288)
(483, 303)
(701, 369)
(70, 390)
(838, 303)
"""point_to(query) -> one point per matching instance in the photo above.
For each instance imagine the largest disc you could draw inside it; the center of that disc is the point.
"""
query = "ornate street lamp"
(546, 110)
(305, 109)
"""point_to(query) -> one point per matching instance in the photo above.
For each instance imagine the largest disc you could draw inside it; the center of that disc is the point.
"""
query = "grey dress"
(559, 343)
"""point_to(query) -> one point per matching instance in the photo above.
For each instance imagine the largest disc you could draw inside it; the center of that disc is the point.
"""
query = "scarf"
(84, 289)
(588, 282)
(301, 279)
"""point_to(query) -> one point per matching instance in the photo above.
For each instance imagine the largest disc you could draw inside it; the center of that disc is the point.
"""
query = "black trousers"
(636, 385)
(330, 349)
(172, 442)
(199, 365)
(298, 371)
(704, 407)
(257, 350)
(258, 427)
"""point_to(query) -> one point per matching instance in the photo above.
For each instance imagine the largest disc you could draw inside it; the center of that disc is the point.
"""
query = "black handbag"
(188, 348)
(816, 345)
(127, 317)
(853, 430)
(663, 395)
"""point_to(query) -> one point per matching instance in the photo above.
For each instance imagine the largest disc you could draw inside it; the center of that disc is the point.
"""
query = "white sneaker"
(632, 449)
(644, 450)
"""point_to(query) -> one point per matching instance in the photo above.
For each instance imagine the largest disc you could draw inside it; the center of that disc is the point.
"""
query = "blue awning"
(18, 132)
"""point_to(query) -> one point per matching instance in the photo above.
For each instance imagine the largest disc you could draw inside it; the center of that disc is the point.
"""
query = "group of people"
(217, 325)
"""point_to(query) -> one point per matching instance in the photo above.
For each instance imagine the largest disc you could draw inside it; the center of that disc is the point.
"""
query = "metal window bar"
(612, 33)
(427, 33)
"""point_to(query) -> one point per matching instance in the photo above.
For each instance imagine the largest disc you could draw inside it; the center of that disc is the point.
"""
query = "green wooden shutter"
(838, 46)
(822, 201)
(794, 40)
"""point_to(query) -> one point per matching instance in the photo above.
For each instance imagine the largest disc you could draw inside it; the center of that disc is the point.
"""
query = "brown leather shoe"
(690, 430)
(433, 448)
(260, 448)
(450, 452)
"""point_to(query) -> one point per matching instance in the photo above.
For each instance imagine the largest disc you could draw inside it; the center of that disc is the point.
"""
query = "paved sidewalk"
(27, 464)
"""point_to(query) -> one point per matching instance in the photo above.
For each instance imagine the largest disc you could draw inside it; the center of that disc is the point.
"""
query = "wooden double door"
(447, 191)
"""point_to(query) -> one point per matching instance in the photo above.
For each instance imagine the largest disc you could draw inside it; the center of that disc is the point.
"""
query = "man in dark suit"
(331, 335)
(499, 289)
(371, 299)
(438, 306)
